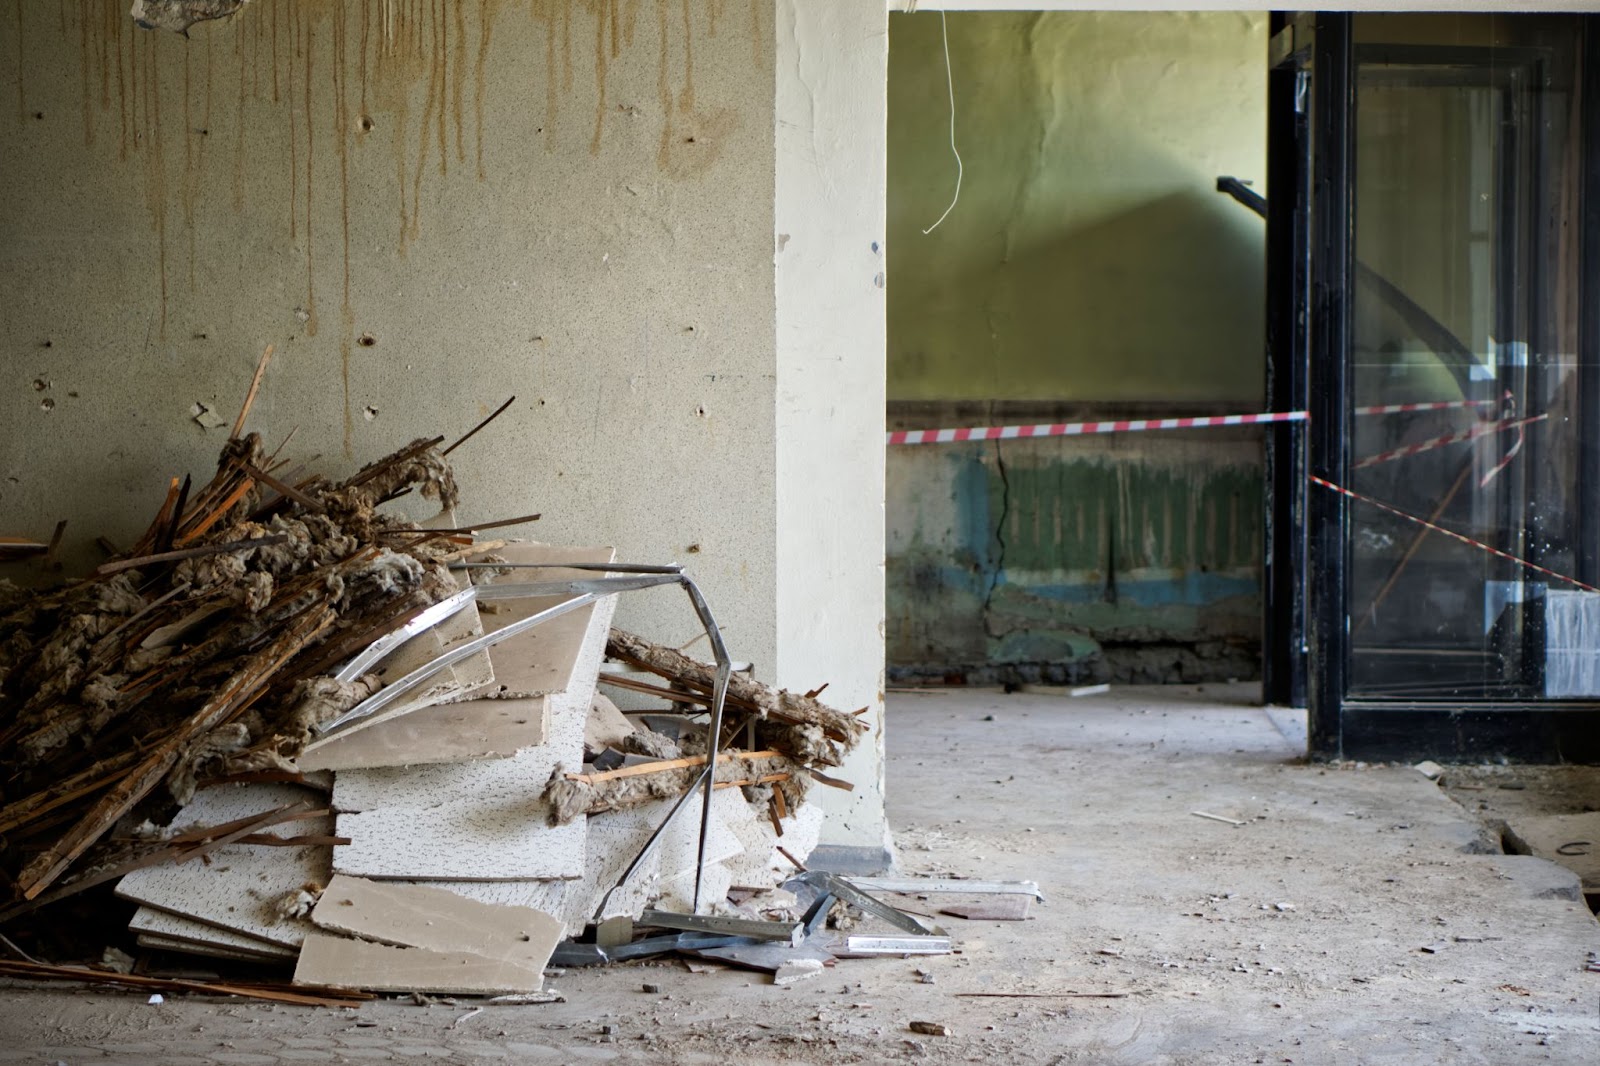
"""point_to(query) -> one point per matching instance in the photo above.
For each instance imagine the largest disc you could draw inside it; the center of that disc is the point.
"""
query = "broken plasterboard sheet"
(449, 732)
(343, 963)
(415, 916)
(475, 674)
(239, 887)
(175, 928)
(762, 865)
(431, 786)
(543, 659)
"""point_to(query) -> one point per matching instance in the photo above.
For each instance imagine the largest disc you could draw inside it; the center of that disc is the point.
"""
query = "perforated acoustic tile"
(237, 889)
(761, 865)
(185, 934)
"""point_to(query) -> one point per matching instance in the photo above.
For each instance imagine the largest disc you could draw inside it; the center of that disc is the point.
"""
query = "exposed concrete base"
(1353, 918)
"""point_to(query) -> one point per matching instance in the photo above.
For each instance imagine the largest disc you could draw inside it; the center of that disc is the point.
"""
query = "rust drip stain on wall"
(411, 62)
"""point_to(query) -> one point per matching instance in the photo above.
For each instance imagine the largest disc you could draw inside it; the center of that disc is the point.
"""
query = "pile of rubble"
(298, 729)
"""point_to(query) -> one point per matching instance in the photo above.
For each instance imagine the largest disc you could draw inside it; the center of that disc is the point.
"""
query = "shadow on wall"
(1162, 300)
(1063, 561)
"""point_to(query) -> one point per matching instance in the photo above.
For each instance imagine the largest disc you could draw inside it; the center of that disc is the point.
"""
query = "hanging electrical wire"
(950, 83)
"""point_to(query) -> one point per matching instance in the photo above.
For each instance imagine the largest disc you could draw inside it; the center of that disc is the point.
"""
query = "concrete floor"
(1357, 917)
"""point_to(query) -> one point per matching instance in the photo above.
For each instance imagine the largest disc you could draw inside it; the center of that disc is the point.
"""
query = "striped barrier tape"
(1408, 408)
(1481, 430)
(1452, 534)
(1079, 429)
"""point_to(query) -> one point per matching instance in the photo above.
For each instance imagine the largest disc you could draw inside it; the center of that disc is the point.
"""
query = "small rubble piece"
(930, 1028)
(1429, 769)
(797, 970)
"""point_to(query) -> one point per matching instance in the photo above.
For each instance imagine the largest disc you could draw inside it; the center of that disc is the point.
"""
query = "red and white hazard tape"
(1480, 430)
(1079, 429)
(1452, 534)
(1408, 408)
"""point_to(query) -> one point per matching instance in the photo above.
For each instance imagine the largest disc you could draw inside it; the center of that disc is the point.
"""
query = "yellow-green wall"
(1089, 258)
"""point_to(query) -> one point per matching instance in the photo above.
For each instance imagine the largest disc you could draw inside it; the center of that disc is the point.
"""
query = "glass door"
(1452, 505)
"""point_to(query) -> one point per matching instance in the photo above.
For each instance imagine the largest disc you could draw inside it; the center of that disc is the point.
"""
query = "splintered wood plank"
(544, 659)
(336, 961)
(447, 733)
(416, 916)
(237, 889)
(176, 929)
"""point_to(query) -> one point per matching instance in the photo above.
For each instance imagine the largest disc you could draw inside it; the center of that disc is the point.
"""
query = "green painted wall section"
(1089, 257)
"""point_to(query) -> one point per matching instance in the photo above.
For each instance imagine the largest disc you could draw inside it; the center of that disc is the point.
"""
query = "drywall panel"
(449, 732)
(543, 659)
(415, 916)
(829, 262)
(334, 960)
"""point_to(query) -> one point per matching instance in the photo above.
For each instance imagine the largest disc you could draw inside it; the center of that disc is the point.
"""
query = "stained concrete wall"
(1089, 269)
(429, 206)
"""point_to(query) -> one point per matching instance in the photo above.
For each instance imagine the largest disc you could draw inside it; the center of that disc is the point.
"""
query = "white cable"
(950, 83)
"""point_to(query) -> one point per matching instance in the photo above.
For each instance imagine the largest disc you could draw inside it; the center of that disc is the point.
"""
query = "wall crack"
(1000, 538)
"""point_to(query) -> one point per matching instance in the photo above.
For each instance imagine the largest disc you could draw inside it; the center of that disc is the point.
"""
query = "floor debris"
(300, 729)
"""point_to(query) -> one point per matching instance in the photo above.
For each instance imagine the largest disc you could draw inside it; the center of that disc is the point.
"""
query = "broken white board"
(762, 865)
(544, 659)
(416, 916)
(238, 888)
(190, 935)
(446, 733)
(339, 962)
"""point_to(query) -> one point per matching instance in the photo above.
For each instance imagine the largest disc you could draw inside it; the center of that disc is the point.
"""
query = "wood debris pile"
(298, 729)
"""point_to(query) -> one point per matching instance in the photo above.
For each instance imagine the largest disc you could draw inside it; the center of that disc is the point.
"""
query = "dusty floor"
(1355, 918)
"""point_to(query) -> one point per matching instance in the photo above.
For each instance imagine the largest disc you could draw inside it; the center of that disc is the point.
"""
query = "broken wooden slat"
(783, 705)
(245, 682)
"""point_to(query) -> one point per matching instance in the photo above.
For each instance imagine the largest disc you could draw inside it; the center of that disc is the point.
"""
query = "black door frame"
(1311, 270)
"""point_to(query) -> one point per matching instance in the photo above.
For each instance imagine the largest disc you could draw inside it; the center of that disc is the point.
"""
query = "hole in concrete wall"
(369, 412)
(39, 115)
(366, 340)
(40, 384)
(366, 123)
(693, 549)
(701, 411)
(48, 344)
(47, 404)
